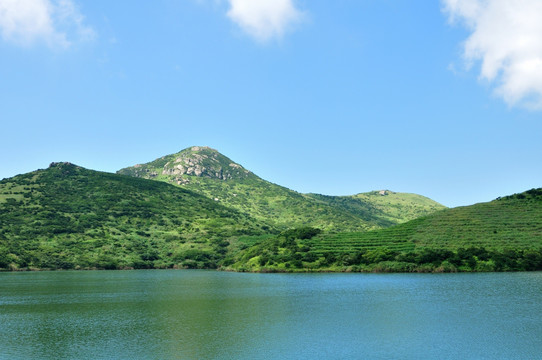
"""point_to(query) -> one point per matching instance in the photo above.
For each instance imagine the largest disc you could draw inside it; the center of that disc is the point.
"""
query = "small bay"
(185, 314)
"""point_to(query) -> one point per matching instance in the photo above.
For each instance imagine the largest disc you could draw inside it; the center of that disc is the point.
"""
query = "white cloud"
(264, 19)
(56, 23)
(506, 38)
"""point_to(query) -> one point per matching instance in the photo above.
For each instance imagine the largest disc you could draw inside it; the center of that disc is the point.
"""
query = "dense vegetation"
(502, 235)
(384, 208)
(68, 217)
(282, 254)
(207, 172)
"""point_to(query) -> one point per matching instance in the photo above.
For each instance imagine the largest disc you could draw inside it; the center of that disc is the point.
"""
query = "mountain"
(70, 217)
(501, 235)
(207, 172)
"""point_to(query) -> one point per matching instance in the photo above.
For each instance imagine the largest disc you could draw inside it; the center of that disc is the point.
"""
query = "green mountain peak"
(207, 172)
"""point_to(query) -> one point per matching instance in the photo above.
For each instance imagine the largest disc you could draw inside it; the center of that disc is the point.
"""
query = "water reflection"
(213, 315)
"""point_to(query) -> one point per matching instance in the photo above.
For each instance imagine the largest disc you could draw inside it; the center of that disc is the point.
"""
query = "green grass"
(345, 243)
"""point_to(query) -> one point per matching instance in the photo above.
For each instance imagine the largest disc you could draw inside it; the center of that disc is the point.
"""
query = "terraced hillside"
(70, 217)
(504, 234)
(207, 172)
(347, 243)
(511, 222)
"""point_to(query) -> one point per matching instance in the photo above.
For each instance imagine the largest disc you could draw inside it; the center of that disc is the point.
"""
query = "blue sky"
(333, 97)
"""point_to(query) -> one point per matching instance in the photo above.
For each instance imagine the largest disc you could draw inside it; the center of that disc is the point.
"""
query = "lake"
(185, 314)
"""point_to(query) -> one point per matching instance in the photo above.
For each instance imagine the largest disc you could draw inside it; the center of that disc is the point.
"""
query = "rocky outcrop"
(203, 162)
(200, 161)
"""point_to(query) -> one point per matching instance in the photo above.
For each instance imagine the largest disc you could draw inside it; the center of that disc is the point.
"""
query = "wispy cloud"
(506, 39)
(57, 23)
(264, 19)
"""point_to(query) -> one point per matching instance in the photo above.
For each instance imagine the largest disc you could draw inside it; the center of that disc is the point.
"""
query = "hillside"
(70, 217)
(207, 172)
(501, 235)
(384, 208)
(512, 222)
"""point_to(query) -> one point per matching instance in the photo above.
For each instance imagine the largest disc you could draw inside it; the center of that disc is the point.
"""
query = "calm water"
(216, 315)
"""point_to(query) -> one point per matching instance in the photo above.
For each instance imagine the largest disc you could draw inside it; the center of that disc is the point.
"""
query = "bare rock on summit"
(199, 161)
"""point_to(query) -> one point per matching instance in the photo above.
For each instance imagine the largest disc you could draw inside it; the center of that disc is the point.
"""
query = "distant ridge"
(383, 207)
